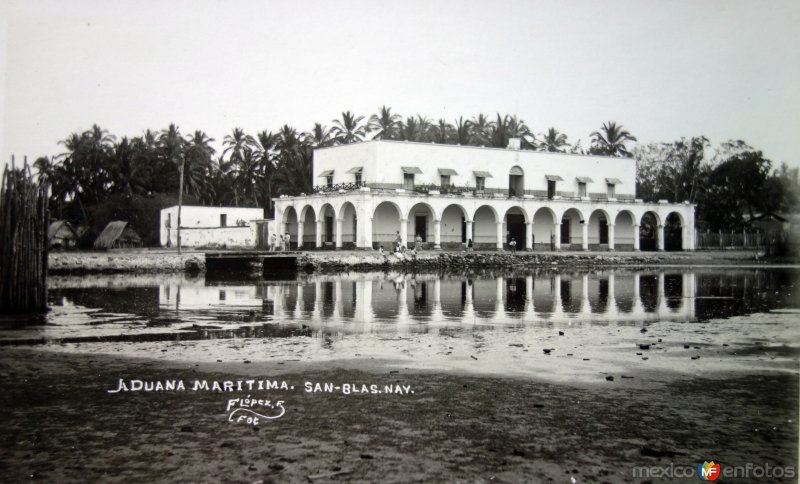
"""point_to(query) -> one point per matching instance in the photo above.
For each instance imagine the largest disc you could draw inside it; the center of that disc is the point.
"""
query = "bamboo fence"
(24, 220)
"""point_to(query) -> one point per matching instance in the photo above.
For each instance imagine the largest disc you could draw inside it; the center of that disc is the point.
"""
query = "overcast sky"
(724, 69)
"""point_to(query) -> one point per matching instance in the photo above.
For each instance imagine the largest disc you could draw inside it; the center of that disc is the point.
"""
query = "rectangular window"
(551, 189)
(408, 181)
(445, 181)
(581, 189)
(611, 191)
(480, 183)
(223, 220)
(329, 180)
(358, 178)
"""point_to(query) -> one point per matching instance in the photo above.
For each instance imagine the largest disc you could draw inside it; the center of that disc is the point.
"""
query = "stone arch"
(484, 226)
(289, 224)
(516, 181)
(348, 219)
(454, 226)
(649, 224)
(308, 216)
(544, 232)
(327, 219)
(515, 219)
(571, 236)
(673, 232)
(624, 233)
(598, 222)
(386, 224)
(420, 222)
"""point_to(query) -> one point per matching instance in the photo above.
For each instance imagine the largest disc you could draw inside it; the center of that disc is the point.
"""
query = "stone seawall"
(125, 261)
(372, 261)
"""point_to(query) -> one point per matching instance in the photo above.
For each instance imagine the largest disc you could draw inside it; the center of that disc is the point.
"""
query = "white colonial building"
(210, 226)
(368, 192)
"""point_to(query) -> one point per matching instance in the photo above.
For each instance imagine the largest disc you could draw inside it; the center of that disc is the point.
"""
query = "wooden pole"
(180, 203)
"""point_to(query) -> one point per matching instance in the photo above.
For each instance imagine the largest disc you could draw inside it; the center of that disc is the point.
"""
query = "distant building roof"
(117, 234)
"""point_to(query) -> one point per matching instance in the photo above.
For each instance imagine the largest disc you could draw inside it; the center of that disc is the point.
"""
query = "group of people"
(280, 243)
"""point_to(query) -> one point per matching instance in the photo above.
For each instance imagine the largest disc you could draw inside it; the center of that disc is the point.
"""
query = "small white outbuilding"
(210, 227)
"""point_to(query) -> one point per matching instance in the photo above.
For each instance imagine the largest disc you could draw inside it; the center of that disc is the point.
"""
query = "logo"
(708, 471)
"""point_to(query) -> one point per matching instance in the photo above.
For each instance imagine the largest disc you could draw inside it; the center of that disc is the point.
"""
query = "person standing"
(513, 245)
(418, 242)
(398, 242)
(287, 241)
(273, 241)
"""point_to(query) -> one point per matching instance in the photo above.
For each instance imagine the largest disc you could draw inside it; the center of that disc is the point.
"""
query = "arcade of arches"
(438, 222)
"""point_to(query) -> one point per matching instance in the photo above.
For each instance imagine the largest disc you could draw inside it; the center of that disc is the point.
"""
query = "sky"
(663, 69)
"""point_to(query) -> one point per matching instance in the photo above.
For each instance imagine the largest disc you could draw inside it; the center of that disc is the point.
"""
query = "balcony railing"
(348, 187)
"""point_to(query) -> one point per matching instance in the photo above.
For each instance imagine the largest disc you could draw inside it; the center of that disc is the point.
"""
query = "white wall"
(382, 161)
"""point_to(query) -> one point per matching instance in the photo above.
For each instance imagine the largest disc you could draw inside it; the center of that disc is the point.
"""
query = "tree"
(385, 124)
(442, 132)
(294, 163)
(611, 140)
(554, 141)
(172, 149)
(266, 154)
(200, 166)
(479, 127)
(349, 129)
(738, 189)
(461, 134)
(235, 145)
(319, 137)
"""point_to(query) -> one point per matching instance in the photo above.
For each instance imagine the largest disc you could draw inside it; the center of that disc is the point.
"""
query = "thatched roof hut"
(117, 234)
(63, 235)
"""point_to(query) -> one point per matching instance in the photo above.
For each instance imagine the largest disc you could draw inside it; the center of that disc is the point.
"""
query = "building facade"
(444, 196)
(210, 226)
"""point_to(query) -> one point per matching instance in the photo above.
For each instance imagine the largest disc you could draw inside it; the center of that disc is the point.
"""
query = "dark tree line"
(100, 176)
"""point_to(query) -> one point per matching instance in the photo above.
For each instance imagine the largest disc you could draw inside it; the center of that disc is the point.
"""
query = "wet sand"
(61, 424)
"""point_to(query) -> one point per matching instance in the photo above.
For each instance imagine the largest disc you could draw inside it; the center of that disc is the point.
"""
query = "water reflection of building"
(596, 297)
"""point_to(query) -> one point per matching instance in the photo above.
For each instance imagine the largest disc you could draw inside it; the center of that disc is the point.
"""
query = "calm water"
(170, 307)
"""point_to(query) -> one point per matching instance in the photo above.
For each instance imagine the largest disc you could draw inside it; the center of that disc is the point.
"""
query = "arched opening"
(623, 231)
(289, 226)
(328, 217)
(516, 182)
(309, 218)
(385, 225)
(544, 235)
(485, 228)
(347, 213)
(673, 291)
(648, 232)
(673, 232)
(454, 227)
(598, 230)
(571, 229)
(420, 229)
(515, 220)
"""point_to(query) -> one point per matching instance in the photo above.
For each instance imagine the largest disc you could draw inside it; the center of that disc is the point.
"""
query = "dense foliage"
(100, 177)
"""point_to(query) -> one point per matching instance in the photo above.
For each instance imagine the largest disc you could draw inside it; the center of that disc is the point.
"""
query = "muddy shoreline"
(63, 425)
(166, 261)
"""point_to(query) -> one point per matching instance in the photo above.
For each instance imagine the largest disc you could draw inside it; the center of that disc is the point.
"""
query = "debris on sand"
(644, 346)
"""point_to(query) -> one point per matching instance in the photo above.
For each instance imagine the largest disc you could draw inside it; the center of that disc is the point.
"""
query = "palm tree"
(610, 140)
(294, 163)
(350, 129)
(553, 141)
(171, 145)
(442, 132)
(479, 127)
(200, 158)
(385, 124)
(266, 155)
(461, 134)
(235, 145)
(319, 137)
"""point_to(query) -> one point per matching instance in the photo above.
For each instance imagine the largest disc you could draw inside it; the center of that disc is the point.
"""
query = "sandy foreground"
(62, 424)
